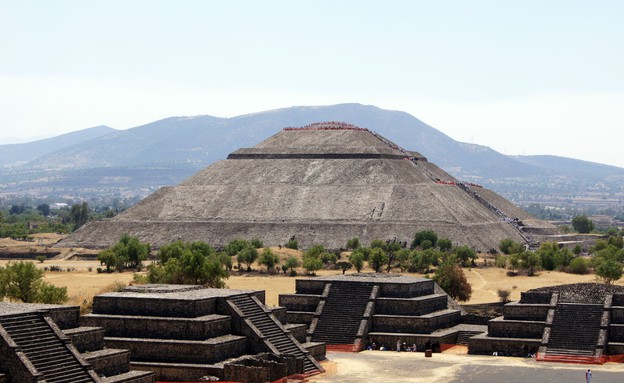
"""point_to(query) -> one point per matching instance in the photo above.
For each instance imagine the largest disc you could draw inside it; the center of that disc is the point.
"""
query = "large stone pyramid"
(323, 183)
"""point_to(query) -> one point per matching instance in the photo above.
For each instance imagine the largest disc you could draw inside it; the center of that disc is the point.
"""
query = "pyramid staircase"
(51, 355)
(566, 341)
(342, 313)
(273, 331)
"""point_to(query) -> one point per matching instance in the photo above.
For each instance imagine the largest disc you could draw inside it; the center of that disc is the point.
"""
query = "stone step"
(131, 377)
(86, 338)
(198, 328)
(109, 361)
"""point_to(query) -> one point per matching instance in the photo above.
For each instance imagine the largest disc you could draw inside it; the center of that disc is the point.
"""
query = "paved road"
(403, 367)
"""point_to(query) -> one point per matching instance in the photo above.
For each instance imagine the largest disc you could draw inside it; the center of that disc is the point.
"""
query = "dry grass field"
(83, 284)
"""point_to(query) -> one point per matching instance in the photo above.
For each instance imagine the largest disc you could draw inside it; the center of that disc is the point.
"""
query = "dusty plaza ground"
(398, 367)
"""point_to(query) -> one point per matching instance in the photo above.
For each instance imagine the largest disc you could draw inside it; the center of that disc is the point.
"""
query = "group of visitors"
(402, 346)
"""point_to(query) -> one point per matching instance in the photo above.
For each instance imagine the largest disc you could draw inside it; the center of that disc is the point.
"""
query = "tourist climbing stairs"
(268, 326)
(342, 314)
(575, 330)
(44, 348)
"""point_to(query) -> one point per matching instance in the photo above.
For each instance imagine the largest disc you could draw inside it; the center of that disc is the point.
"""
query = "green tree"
(257, 243)
(235, 246)
(312, 264)
(292, 263)
(377, 259)
(353, 243)
(582, 224)
(609, 271)
(378, 244)
(530, 262)
(129, 252)
(421, 261)
(248, 256)
(514, 262)
(465, 255)
(22, 281)
(269, 259)
(402, 258)
(108, 258)
(579, 265)
(328, 258)
(445, 244)
(194, 263)
(44, 208)
(424, 235)
(357, 259)
(577, 250)
(451, 278)
(315, 251)
(344, 265)
(508, 246)
(79, 214)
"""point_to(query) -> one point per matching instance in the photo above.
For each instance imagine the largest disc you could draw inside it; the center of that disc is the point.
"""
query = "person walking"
(588, 376)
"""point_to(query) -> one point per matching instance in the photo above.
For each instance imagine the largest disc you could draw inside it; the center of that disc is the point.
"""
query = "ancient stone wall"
(204, 352)
(481, 345)
(516, 329)
(535, 297)
(299, 302)
(401, 306)
(407, 324)
(518, 311)
(424, 287)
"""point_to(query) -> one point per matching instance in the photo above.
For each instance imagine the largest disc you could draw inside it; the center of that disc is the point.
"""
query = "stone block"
(299, 302)
(501, 327)
(411, 306)
(86, 338)
(187, 351)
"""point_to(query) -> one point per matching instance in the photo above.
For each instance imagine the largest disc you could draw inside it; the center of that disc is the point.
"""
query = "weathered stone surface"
(323, 184)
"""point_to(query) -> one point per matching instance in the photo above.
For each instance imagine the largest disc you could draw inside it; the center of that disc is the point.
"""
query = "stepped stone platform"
(45, 343)
(579, 323)
(188, 333)
(354, 311)
(322, 183)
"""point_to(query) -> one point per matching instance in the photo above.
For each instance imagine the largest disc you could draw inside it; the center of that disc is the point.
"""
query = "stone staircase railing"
(272, 331)
(51, 354)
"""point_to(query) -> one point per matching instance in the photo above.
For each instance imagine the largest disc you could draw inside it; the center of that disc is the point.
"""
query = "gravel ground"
(390, 366)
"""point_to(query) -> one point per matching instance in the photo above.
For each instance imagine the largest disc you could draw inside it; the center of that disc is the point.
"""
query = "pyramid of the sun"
(324, 183)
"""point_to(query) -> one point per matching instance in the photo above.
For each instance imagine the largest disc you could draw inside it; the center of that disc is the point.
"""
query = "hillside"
(103, 162)
(17, 154)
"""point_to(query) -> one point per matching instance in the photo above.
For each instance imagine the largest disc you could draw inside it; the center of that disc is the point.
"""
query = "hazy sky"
(523, 77)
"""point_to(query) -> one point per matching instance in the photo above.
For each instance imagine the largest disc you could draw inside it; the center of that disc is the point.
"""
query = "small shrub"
(99, 270)
(56, 268)
(578, 265)
(501, 261)
(90, 269)
(41, 258)
(292, 244)
(257, 243)
(503, 295)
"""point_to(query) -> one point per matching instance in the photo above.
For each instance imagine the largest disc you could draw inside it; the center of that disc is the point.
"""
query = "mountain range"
(104, 163)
